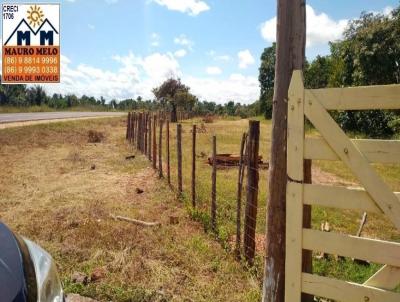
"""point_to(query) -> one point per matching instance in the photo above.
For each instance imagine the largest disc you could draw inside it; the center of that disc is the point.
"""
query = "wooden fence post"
(136, 128)
(239, 195)
(128, 126)
(149, 150)
(133, 128)
(138, 131)
(154, 143)
(214, 186)
(194, 166)
(160, 167)
(143, 132)
(179, 154)
(146, 116)
(168, 155)
(252, 191)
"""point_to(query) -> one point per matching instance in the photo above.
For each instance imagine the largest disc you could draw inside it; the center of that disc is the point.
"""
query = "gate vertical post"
(294, 190)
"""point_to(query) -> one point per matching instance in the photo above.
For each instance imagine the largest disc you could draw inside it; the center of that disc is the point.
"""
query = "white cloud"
(180, 53)
(213, 70)
(91, 26)
(237, 87)
(245, 59)
(135, 76)
(387, 11)
(182, 40)
(321, 29)
(191, 7)
(268, 30)
(160, 66)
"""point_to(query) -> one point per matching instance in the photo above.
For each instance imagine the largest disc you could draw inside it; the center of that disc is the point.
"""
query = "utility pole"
(290, 55)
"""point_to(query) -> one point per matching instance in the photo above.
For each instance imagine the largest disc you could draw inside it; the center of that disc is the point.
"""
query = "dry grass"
(49, 193)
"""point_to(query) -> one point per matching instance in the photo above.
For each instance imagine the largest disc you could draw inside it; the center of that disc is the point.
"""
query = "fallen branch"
(135, 221)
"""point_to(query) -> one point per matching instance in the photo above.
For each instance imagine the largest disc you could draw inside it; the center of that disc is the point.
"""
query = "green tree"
(317, 73)
(36, 95)
(175, 94)
(368, 55)
(267, 79)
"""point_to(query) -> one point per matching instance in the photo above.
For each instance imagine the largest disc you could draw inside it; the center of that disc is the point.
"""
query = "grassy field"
(48, 192)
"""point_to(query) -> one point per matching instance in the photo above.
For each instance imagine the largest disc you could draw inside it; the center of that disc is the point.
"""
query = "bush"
(95, 136)
(372, 123)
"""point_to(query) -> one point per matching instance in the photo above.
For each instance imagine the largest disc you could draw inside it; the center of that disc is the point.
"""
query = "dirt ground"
(59, 190)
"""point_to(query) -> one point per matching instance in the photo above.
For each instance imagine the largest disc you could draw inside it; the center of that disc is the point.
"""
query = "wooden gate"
(375, 197)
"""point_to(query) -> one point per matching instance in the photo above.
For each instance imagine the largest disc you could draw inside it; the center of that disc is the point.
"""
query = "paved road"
(38, 116)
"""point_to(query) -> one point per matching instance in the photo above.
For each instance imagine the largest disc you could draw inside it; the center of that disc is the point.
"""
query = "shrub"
(95, 136)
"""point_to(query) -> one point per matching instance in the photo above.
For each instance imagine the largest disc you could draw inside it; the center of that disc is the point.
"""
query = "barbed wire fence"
(223, 194)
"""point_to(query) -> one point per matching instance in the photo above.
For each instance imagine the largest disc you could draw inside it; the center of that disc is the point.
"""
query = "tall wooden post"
(214, 186)
(154, 143)
(168, 155)
(128, 126)
(239, 195)
(290, 55)
(250, 219)
(133, 118)
(194, 166)
(143, 132)
(149, 150)
(179, 154)
(138, 131)
(146, 116)
(160, 166)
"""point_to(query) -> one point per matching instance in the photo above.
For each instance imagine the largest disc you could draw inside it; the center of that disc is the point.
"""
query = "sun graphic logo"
(35, 16)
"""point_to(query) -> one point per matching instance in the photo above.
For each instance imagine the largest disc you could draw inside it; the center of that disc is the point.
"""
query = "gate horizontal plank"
(376, 151)
(351, 246)
(354, 159)
(341, 198)
(388, 277)
(345, 291)
(358, 98)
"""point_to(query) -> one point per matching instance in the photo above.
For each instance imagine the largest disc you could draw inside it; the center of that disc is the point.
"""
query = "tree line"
(172, 95)
(368, 54)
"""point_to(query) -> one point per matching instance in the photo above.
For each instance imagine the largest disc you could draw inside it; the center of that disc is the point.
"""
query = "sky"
(122, 49)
